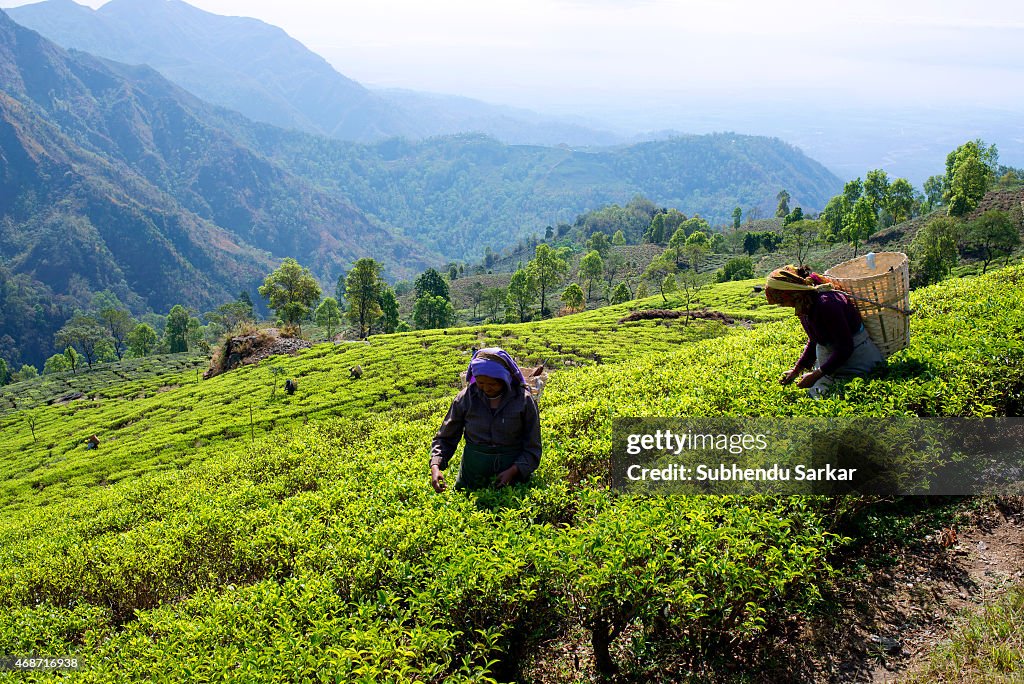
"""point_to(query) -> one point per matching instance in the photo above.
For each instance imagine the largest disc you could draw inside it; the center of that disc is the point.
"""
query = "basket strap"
(905, 312)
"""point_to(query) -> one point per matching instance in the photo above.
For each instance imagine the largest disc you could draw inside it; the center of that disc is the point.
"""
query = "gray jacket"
(516, 422)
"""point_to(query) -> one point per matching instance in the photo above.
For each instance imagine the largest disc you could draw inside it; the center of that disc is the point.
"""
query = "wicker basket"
(882, 295)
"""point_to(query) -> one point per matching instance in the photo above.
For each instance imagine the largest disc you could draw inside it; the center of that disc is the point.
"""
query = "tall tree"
(118, 323)
(852, 190)
(676, 244)
(549, 268)
(792, 217)
(142, 340)
(833, 218)
(292, 291)
(432, 311)
(522, 293)
(692, 225)
(231, 315)
(339, 289)
(362, 291)
(389, 309)
(987, 154)
(859, 223)
(619, 239)
(85, 334)
(196, 336)
(620, 294)
(55, 364)
(72, 358)
(993, 234)
(599, 242)
(328, 315)
(573, 298)
(27, 372)
(661, 273)
(697, 248)
(783, 208)
(876, 189)
(737, 218)
(431, 282)
(176, 330)
(690, 284)
(798, 238)
(614, 264)
(933, 251)
(968, 176)
(591, 268)
(246, 300)
(656, 231)
(934, 189)
(900, 200)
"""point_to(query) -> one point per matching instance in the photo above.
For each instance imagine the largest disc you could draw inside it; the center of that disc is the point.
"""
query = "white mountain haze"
(258, 70)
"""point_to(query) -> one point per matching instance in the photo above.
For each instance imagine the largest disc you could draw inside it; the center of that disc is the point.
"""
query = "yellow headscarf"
(787, 278)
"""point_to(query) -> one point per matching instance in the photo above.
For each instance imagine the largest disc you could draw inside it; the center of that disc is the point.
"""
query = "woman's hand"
(506, 477)
(809, 379)
(789, 376)
(437, 479)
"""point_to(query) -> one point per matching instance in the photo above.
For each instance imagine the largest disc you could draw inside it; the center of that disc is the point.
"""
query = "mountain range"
(258, 70)
(112, 177)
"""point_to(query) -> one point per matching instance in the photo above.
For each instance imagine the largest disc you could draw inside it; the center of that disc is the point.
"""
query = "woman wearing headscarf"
(837, 346)
(499, 419)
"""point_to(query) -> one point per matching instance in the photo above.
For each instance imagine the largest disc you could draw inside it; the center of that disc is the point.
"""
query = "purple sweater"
(832, 320)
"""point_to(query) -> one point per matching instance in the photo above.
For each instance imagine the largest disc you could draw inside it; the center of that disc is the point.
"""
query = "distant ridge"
(240, 63)
(259, 70)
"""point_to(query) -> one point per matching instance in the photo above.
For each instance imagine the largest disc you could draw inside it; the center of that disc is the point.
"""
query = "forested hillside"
(113, 179)
(459, 194)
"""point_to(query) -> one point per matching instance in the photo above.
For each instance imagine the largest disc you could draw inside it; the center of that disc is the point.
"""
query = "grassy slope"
(179, 550)
(988, 647)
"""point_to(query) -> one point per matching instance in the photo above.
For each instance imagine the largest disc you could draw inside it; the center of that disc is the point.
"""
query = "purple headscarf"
(505, 370)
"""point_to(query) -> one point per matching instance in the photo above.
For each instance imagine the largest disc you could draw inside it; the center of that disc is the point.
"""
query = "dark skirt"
(481, 464)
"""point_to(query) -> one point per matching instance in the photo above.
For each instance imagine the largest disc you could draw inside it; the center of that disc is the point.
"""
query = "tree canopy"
(548, 269)
(363, 288)
(291, 291)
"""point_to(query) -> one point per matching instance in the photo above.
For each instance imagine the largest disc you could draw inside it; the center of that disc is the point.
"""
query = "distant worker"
(499, 418)
(837, 346)
(291, 385)
(92, 442)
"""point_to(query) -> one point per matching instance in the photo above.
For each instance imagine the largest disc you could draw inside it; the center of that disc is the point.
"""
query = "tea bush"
(312, 548)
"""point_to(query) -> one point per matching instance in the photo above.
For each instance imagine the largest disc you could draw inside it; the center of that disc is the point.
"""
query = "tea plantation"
(227, 531)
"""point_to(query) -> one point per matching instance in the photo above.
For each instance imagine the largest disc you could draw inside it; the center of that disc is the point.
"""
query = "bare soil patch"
(891, 621)
(656, 314)
(250, 349)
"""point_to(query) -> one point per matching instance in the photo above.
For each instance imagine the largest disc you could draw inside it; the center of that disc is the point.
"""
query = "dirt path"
(916, 603)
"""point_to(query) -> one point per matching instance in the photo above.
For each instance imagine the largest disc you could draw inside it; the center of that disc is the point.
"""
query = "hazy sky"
(556, 54)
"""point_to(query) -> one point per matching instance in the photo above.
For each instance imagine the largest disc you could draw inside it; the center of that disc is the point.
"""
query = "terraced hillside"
(302, 541)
